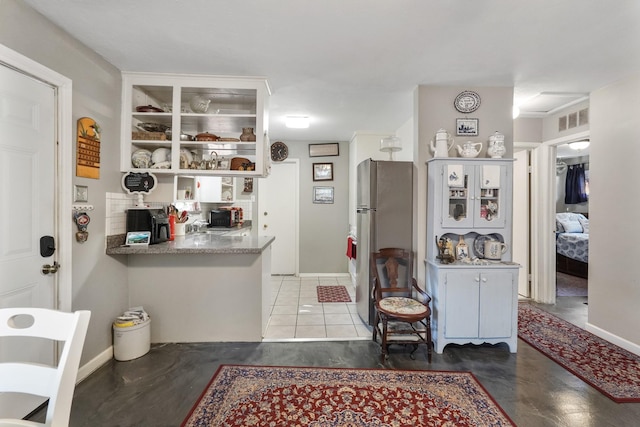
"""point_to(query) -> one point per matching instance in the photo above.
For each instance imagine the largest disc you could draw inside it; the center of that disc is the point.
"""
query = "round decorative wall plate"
(467, 101)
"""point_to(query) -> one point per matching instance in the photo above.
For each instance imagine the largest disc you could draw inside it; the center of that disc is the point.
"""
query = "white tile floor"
(296, 314)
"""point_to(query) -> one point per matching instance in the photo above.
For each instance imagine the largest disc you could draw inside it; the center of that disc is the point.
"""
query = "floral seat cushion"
(402, 305)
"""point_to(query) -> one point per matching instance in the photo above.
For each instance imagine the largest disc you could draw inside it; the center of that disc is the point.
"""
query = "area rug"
(612, 370)
(333, 294)
(336, 397)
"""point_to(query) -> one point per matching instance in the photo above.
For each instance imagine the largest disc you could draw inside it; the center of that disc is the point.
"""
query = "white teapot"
(444, 143)
(469, 149)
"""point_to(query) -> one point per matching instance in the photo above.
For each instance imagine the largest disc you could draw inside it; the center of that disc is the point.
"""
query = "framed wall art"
(323, 195)
(467, 127)
(320, 150)
(323, 171)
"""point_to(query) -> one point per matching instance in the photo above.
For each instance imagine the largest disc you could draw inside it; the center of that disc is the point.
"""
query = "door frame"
(63, 167)
(543, 192)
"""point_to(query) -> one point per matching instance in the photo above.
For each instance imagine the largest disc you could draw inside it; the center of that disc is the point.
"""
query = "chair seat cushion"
(402, 305)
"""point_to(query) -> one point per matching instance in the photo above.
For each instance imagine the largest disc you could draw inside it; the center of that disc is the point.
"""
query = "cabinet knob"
(484, 280)
(477, 278)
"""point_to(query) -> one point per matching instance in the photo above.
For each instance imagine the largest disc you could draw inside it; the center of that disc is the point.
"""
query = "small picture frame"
(80, 193)
(321, 150)
(467, 127)
(323, 195)
(323, 171)
(138, 238)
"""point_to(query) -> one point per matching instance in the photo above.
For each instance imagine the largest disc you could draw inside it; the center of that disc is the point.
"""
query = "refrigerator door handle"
(365, 210)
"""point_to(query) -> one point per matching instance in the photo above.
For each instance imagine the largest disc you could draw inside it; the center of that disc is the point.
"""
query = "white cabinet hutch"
(473, 300)
(192, 105)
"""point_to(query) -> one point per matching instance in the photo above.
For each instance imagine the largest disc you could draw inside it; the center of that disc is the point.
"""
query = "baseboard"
(95, 363)
(614, 339)
(324, 275)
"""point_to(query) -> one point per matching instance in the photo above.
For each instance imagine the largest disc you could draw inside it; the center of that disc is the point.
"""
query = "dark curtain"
(575, 185)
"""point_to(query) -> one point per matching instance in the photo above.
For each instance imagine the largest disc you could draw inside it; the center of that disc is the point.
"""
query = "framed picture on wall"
(321, 150)
(467, 127)
(323, 195)
(323, 171)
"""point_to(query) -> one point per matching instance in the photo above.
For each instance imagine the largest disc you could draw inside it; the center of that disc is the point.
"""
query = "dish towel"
(490, 176)
(351, 248)
(455, 175)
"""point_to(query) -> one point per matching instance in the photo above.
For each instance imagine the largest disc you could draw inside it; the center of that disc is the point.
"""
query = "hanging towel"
(490, 176)
(455, 175)
(351, 248)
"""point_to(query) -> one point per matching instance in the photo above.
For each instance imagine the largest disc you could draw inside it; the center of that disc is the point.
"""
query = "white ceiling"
(353, 64)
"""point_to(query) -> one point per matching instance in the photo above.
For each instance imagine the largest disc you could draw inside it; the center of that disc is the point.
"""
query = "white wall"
(614, 274)
(99, 281)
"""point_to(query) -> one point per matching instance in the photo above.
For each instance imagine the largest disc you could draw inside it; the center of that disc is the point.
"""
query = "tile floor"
(296, 314)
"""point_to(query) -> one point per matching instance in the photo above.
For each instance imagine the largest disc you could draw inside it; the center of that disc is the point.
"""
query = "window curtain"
(575, 185)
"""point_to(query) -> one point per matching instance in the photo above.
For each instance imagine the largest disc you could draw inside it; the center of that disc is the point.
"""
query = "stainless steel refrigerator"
(384, 208)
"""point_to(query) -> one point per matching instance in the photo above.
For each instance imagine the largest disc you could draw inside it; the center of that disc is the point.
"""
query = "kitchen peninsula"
(202, 287)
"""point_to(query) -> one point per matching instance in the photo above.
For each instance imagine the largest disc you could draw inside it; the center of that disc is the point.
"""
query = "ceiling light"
(297, 122)
(579, 145)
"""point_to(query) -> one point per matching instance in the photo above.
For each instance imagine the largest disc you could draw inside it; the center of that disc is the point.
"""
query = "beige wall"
(99, 281)
(614, 275)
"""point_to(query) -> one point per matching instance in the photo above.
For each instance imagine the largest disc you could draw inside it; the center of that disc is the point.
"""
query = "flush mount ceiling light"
(579, 145)
(297, 122)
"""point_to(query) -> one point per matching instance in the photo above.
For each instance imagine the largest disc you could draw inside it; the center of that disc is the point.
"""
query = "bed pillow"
(584, 222)
(568, 222)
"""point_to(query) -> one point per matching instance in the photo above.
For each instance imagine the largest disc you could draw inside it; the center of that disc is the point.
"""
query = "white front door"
(278, 215)
(27, 211)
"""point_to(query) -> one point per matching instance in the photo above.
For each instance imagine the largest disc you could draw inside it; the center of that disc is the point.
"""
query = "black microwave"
(154, 220)
(223, 217)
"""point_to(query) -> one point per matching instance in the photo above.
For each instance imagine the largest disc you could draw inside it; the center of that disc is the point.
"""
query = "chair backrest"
(392, 269)
(55, 382)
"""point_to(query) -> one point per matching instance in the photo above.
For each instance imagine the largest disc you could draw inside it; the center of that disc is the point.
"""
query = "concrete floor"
(160, 388)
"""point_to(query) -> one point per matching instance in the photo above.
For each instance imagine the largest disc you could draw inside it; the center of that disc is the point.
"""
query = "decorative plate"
(478, 243)
(467, 101)
(141, 158)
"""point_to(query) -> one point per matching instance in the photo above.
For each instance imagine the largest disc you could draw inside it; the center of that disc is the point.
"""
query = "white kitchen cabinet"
(205, 189)
(189, 105)
(473, 300)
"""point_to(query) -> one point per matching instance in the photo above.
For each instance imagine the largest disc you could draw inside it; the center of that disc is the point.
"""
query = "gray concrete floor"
(160, 388)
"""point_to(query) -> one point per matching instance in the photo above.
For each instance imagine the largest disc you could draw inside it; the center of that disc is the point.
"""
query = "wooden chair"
(54, 382)
(403, 315)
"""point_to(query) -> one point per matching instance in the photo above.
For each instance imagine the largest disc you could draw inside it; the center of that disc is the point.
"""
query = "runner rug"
(333, 294)
(334, 397)
(612, 370)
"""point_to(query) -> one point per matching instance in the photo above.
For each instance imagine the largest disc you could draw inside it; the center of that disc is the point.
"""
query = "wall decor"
(323, 195)
(88, 148)
(320, 150)
(467, 101)
(323, 171)
(467, 127)
(248, 185)
(80, 193)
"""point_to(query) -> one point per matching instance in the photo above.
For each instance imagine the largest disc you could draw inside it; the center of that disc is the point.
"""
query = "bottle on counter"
(172, 227)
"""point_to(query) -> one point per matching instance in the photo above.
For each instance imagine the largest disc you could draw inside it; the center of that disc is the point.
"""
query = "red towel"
(351, 248)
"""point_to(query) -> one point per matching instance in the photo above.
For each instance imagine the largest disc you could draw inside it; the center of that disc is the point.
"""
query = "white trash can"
(131, 342)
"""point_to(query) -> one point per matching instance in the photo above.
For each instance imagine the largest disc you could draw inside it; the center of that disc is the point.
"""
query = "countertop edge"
(238, 245)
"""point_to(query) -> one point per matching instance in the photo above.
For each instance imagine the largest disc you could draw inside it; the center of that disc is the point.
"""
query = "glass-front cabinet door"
(473, 195)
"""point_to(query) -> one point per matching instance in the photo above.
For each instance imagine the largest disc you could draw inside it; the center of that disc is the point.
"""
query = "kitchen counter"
(200, 243)
(211, 288)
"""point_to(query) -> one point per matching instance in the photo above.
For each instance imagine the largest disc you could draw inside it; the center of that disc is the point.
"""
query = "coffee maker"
(154, 220)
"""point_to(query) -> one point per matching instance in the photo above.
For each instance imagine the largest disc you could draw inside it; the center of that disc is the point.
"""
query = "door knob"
(265, 226)
(50, 269)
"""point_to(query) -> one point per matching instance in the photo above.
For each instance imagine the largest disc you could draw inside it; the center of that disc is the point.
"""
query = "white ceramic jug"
(444, 143)
(493, 249)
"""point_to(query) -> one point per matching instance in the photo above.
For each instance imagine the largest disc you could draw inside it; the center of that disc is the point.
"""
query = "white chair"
(55, 382)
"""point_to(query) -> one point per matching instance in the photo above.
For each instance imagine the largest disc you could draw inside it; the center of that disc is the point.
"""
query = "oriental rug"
(337, 397)
(333, 294)
(610, 369)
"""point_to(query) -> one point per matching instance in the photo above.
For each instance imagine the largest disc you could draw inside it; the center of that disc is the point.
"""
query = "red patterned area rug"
(612, 370)
(336, 397)
(333, 294)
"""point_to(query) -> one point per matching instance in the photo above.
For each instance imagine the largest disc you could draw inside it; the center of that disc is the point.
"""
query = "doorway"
(36, 156)
(278, 208)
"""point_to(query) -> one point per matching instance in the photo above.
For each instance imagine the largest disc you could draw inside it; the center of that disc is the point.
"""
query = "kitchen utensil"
(161, 155)
(183, 136)
(238, 163)
(141, 158)
(206, 136)
(149, 109)
(469, 149)
(152, 127)
(199, 104)
(493, 249)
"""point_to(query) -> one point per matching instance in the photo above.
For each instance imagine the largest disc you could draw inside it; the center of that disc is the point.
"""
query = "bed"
(572, 243)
